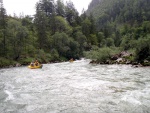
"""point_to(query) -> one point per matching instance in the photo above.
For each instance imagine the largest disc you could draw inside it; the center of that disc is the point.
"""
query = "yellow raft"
(71, 61)
(35, 67)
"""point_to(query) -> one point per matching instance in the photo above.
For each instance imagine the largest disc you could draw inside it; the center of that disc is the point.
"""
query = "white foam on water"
(78, 86)
(131, 98)
(10, 95)
(31, 108)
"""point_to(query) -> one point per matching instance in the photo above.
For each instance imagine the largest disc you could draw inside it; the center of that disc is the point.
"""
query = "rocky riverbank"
(123, 57)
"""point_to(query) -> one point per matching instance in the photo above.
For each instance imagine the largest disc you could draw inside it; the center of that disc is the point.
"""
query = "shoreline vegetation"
(113, 55)
(6, 63)
(123, 57)
(108, 62)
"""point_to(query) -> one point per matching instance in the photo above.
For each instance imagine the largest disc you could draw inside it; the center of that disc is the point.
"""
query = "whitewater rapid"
(77, 87)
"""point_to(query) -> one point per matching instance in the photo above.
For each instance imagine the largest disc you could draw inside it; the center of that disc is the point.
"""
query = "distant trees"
(123, 24)
(3, 25)
(60, 28)
(41, 23)
(17, 39)
(116, 15)
(71, 13)
(143, 49)
(60, 8)
(61, 25)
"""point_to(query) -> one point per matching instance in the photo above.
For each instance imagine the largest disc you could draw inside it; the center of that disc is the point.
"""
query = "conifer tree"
(3, 24)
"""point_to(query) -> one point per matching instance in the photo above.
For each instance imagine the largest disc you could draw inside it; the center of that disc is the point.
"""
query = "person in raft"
(32, 64)
(36, 63)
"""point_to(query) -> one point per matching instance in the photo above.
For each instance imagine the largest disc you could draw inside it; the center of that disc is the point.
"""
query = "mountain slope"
(128, 9)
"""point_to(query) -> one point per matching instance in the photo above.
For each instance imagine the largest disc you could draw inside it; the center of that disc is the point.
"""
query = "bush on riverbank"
(101, 54)
(6, 62)
(115, 55)
(143, 50)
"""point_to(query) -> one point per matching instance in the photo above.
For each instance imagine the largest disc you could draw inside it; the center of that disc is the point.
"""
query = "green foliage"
(60, 8)
(109, 42)
(104, 54)
(93, 39)
(65, 45)
(146, 27)
(3, 25)
(42, 56)
(71, 13)
(82, 40)
(62, 25)
(86, 24)
(6, 62)
(101, 54)
(100, 37)
(46, 6)
(143, 49)
(61, 43)
(124, 21)
(17, 35)
(125, 42)
(58, 33)
(41, 23)
(103, 43)
(26, 61)
(31, 50)
(55, 55)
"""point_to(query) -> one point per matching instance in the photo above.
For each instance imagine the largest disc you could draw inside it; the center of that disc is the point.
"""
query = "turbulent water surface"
(77, 87)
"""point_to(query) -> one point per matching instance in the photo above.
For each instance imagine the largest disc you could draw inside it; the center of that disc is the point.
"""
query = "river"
(77, 87)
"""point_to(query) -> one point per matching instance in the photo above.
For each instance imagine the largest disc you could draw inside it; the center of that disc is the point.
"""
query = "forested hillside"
(58, 33)
(55, 33)
(124, 24)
